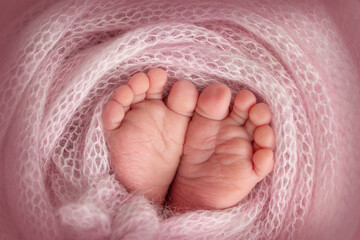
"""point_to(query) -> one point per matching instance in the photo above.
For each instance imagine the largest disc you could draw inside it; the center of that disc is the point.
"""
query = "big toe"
(214, 102)
(182, 98)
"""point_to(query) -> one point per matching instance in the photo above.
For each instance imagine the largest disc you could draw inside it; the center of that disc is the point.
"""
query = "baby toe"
(157, 80)
(116, 108)
(264, 137)
(139, 84)
(263, 162)
(214, 102)
(259, 115)
(182, 98)
(124, 96)
(244, 100)
(112, 115)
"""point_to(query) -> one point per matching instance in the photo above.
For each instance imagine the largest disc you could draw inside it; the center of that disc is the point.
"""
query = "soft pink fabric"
(63, 59)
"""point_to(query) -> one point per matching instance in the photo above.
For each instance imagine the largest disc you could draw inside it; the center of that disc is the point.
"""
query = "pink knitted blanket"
(62, 60)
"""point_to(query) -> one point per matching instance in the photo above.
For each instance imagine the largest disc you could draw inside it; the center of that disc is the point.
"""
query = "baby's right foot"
(224, 155)
(145, 136)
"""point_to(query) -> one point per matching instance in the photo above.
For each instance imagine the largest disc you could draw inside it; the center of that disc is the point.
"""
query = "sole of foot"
(145, 135)
(225, 154)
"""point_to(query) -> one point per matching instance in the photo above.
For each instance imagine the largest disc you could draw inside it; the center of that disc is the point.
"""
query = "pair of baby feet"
(188, 150)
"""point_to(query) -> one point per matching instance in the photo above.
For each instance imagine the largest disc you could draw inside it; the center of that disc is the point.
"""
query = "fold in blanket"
(65, 59)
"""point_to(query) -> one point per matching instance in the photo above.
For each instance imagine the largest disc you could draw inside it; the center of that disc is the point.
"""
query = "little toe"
(139, 84)
(112, 115)
(157, 79)
(263, 162)
(182, 98)
(244, 100)
(124, 96)
(214, 102)
(264, 137)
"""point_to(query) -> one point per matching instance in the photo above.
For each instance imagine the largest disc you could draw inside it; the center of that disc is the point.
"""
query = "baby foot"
(144, 135)
(224, 155)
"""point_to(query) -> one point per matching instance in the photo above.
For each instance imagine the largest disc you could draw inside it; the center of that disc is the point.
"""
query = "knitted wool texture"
(67, 57)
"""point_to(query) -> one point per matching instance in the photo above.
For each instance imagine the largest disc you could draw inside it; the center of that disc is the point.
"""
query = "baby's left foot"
(224, 154)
